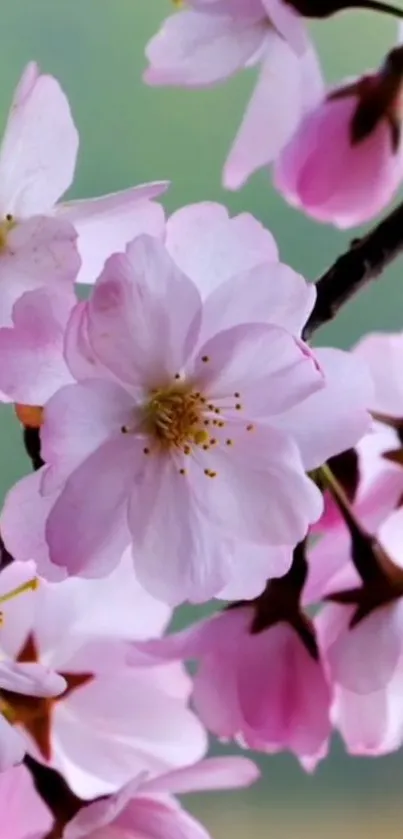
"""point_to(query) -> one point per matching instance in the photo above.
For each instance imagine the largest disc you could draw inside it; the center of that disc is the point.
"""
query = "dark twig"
(32, 443)
(364, 261)
(53, 790)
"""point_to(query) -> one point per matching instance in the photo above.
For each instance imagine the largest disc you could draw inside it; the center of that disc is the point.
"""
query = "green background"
(131, 134)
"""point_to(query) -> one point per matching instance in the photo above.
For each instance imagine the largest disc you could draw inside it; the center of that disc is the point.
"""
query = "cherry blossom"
(266, 689)
(345, 160)
(38, 243)
(176, 464)
(147, 807)
(112, 720)
(206, 43)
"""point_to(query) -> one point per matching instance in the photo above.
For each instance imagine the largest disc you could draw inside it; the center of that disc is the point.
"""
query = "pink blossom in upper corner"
(23, 815)
(345, 160)
(263, 687)
(147, 807)
(206, 43)
(113, 720)
(38, 245)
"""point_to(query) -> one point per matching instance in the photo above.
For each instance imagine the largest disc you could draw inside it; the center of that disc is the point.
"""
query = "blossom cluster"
(190, 446)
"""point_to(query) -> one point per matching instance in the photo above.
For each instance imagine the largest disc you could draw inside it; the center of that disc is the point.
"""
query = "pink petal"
(90, 539)
(22, 524)
(272, 294)
(33, 366)
(260, 139)
(383, 353)
(30, 679)
(195, 49)
(155, 819)
(129, 707)
(209, 774)
(142, 293)
(362, 659)
(105, 225)
(164, 512)
(335, 417)
(371, 724)
(260, 493)
(121, 590)
(286, 704)
(40, 252)
(270, 369)
(77, 420)
(288, 23)
(78, 352)
(39, 147)
(210, 247)
(23, 815)
(252, 565)
(12, 748)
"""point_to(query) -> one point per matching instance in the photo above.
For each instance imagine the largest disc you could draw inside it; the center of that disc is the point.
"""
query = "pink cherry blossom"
(206, 43)
(38, 244)
(113, 720)
(23, 815)
(160, 480)
(263, 689)
(345, 161)
(148, 808)
(112, 354)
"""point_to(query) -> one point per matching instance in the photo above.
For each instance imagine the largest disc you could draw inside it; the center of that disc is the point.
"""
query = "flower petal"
(142, 293)
(272, 115)
(33, 366)
(39, 147)
(334, 418)
(272, 294)
(89, 539)
(195, 49)
(271, 370)
(210, 247)
(105, 225)
(40, 252)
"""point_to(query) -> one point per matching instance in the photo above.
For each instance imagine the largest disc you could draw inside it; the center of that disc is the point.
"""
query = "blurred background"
(131, 134)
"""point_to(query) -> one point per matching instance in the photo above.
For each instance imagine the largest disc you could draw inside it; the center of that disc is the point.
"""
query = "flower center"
(7, 224)
(173, 416)
(33, 713)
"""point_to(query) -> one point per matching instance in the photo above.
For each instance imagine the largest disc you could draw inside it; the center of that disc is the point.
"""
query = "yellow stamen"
(31, 585)
(5, 226)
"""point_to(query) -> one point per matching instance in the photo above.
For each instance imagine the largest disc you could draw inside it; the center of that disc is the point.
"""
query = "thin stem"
(377, 6)
(364, 261)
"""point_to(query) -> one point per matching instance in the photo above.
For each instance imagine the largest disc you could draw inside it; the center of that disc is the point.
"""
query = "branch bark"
(363, 262)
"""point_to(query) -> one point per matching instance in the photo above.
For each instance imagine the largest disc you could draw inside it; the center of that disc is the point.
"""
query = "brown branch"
(364, 261)
(53, 790)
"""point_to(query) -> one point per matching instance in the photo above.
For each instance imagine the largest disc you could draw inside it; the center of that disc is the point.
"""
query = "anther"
(182, 471)
(237, 395)
(205, 358)
(229, 442)
(250, 427)
(238, 406)
(146, 450)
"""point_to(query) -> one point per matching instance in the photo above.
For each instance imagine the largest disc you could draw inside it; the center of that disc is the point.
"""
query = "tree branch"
(364, 261)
